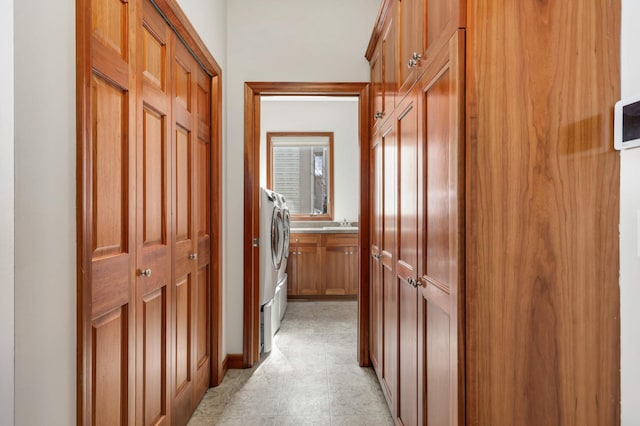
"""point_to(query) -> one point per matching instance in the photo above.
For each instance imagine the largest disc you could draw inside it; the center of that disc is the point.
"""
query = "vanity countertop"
(326, 230)
(323, 228)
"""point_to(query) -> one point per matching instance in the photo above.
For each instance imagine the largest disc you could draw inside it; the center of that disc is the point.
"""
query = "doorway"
(252, 157)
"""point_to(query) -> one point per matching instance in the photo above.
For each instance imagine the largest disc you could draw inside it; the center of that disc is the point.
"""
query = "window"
(300, 167)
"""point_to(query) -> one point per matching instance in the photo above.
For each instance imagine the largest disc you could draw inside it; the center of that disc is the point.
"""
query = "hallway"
(310, 378)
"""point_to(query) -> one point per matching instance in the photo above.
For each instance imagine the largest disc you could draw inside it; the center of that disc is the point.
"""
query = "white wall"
(45, 218)
(630, 227)
(209, 18)
(338, 116)
(45, 263)
(284, 40)
(6, 213)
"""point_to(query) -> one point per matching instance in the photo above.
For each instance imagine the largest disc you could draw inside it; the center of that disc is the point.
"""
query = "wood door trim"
(253, 92)
(178, 21)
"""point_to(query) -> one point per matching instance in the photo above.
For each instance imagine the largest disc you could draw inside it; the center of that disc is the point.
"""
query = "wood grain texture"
(115, 50)
(543, 183)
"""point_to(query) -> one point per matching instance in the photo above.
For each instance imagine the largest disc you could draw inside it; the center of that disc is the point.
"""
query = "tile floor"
(311, 377)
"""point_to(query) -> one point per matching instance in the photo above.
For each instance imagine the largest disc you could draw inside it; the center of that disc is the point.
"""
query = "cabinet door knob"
(412, 63)
(378, 115)
(416, 56)
(145, 273)
(193, 256)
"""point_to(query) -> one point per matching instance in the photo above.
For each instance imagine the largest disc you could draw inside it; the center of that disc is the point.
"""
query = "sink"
(340, 228)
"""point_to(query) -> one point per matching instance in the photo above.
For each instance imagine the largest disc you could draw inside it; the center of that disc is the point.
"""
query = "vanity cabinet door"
(308, 282)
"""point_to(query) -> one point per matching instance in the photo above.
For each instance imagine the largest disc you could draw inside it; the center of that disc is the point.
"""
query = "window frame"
(301, 217)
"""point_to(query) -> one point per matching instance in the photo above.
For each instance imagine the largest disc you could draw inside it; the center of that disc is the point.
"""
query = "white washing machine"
(281, 288)
(272, 245)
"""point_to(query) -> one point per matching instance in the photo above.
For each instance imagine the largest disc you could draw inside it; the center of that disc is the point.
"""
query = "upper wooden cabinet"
(407, 31)
(383, 62)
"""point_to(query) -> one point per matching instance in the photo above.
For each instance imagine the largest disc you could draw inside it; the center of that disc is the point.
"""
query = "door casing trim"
(251, 284)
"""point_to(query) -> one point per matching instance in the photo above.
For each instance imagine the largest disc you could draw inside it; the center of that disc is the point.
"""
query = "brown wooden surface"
(154, 203)
(543, 198)
(376, 320)
(125, 171)
(442, 239)
(253, 91)
(407, 263)
(330, 203)
(389, 280)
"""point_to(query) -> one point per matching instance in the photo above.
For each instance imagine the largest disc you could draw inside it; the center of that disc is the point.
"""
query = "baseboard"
(233, 361)
(318, 298)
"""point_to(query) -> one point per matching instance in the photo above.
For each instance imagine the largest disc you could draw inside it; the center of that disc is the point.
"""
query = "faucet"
(344, 222)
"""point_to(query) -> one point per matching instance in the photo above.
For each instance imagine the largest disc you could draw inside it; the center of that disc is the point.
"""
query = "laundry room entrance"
(306, 210)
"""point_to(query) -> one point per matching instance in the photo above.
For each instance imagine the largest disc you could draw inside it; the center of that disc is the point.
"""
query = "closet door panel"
(110, 368)
(407, 264)
(108, 227)
(154, 212)
(442, 242)
(389, 281)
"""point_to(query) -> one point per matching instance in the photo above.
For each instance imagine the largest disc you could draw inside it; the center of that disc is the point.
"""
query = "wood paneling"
(438, 360)
(110, 370)
(184, 173)
(441, 243)
(109, 24)
(543, 296)
(155, 173)
(389, 280)
(143, 185)
(154, 362)
(183, 333)
(407, 264)
(110, 177)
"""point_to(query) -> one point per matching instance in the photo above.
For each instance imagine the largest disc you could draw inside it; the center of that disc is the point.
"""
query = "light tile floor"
(311, 377)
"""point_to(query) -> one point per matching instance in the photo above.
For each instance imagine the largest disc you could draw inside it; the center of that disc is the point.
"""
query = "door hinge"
(256, 242)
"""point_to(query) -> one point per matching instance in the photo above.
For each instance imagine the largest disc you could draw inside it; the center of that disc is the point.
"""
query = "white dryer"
(280, 299)
(272, 245)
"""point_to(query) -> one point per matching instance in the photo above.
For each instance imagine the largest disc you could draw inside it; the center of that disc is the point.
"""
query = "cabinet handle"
(377, 256)
(193, 256)
(415, 59)
(378, 115)
(145, 273)
(414, 283)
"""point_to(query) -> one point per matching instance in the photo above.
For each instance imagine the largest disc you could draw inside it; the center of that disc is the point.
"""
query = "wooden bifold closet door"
(145, 323)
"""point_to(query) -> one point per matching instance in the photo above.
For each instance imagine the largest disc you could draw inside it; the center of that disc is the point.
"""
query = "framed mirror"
(300, 167)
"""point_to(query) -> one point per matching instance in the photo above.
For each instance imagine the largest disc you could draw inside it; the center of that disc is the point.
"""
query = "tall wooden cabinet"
(494, 198)
(145, 311)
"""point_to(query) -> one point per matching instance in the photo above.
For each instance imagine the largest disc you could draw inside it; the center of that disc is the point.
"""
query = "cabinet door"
(407, 263)
(375, 310)
(377, 86)
(442, 242)
(336, 269)
(412, 41)
(352, 271)
(390, 59)
(292, 276)
(389, 281)
(308, 271)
